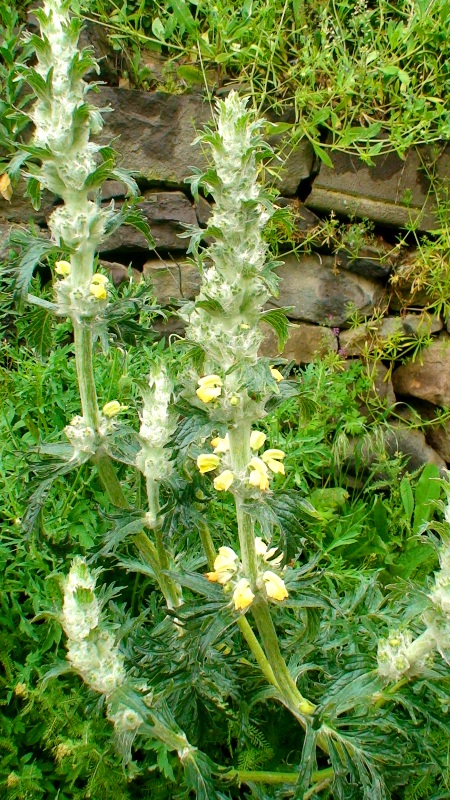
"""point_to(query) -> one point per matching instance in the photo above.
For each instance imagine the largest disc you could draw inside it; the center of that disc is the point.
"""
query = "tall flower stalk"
(62, 159)
(224, 321)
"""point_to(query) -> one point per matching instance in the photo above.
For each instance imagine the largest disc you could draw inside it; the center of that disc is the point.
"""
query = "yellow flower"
(257, 439)
(221, 445)
(242, 595)
(63, 268)
(259, 475)
(209, 388)
(98, 286)
(277, 374)
(224, 480)
(225, 565)
(273, 458)
(206, 462)
(275, 587)
(267, 553)
(112, 408)
(5, 187)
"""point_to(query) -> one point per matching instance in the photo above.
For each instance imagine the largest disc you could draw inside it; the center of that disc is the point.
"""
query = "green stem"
(273, 778)
(109, 479)
(207, 544)
(84, 359)
(257, 650)
(170, 589)
(240, 455)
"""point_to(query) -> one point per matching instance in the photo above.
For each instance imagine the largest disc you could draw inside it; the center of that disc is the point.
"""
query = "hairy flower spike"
(158, 422)
(236, 278)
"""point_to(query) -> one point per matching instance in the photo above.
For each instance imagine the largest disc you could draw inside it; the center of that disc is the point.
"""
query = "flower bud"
(242, 595)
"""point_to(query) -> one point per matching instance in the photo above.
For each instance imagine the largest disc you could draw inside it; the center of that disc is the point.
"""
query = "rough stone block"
(166, 214)
(172, 281)
(428, 377)
(392, 192)
(316, 292)
(365, 338)
(305, 343)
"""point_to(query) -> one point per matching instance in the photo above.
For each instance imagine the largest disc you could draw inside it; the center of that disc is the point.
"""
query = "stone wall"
(323, 289)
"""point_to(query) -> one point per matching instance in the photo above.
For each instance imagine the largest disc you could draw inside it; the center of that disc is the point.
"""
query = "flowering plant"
(239, 618)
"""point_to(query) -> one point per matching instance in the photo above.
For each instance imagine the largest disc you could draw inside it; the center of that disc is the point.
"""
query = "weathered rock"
(20, 210)
(203, 211)
(392, 192)
(397, 440)
(438, 436)
(366, 338)
(428, 377)
(156, 131)
(172, 281)
(304, 219)
(406, 290)
(166, 214)
(305, 343)
(412, 443)
(120, 273)
(94, 36)
(421, 324)
(370, 261)
(297, 166)
(316, 292)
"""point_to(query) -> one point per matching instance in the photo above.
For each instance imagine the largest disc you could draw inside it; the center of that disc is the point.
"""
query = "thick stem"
(109, 479)
(257, 651)
(207, 544)
(240, 455)
(273, 778)
(263, 619)
(171, 590)
(84, 359)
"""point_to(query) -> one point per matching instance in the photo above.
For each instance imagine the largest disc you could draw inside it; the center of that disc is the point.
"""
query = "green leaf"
(158, 29)
(277, 320)
(407, 497)
(183, 15)
(192, 75)
(213, 307)
(39, 331)
(323, 155)
(427, 492)
(32, 249)
(34, 193)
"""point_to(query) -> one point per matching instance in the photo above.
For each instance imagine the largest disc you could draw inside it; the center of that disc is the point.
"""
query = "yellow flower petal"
(259, 480)
(5, 187)
(99, 278)
(273, 453)
(98, 290)
(260, 546)
(221, 445)
(275, 586)
(206, 394)
(242, 595)
(259, 465)
(210, 381)
(277, 374)
(212, 576)
(257, 439)
(63, 268)
(276, 466)
(225, 565)
(112, 408)
(223, 481)
(207, 462)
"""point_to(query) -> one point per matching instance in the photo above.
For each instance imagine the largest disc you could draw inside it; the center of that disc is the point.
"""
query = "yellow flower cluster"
(259, 466)
(98, 286)
(63, 268)
(227, 568)
(209, 388)
(113, 408)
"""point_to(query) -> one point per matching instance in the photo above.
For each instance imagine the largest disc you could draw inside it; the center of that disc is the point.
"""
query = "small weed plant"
(200, 607)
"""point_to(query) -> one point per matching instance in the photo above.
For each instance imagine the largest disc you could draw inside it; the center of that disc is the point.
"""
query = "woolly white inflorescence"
(238, 255)
(158, 422)
(90, 649)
